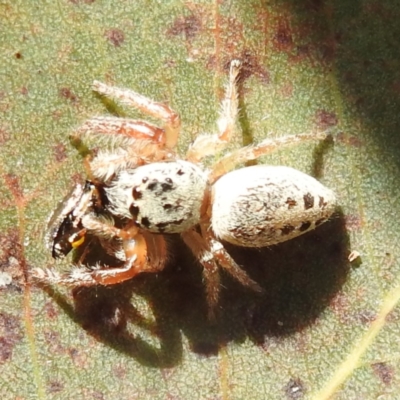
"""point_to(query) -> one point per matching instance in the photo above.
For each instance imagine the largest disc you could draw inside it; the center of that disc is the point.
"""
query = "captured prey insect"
(140, 189)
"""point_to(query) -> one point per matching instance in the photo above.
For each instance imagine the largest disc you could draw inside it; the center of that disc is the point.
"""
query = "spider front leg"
(206, 145)
(211, 253)
(157, 110)
(142, 253)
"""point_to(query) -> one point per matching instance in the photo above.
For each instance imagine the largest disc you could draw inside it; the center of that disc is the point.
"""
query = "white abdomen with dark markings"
(263, 205)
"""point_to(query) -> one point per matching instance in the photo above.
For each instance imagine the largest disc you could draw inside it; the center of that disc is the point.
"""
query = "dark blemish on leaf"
(294, 389)
(291, 203)
(283, 38)
(145, 179)
(136, 193)
(162, 225)
(145, 222)
(384, 372)
(287, 229)
(325, 119)
(67, 94)
(304, 226)
(178, 222)
(188, 26)
(59, 152)
(134, 210)
(180, 172)
(18, 55)
(169, 180)
(115, 36)
(98, 395)
(10, 335)
(349, 140)
(308, 201)
(119, 371)
(13, 183)
(151, 186)
(82, 1)
(55, 387)
(167, 206)
(353, 222)
(366, 317)
(50, 310)
(4, 136)
(250, 66)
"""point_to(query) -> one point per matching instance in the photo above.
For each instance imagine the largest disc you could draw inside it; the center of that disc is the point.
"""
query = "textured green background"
(323, 327)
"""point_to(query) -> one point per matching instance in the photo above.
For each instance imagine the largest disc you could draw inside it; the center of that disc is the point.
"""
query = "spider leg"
(206, 145)
(143, 253)
(125, 128)
(202, 252)
(158, 110)
(211, 253)
(105, 164)
(240, 156)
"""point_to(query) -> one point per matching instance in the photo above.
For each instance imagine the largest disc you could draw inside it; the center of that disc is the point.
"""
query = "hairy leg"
(206, 145)
(143, 253)
(158, 110)
(240, 156)
(211, 253)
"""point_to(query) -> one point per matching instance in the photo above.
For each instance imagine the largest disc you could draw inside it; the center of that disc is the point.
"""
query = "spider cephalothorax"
(149, 190)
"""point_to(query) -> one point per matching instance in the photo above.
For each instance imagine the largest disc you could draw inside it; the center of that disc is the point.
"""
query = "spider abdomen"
(160, 197)
(262, 205)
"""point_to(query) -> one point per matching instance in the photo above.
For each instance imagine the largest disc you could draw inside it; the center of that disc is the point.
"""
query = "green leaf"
(323, 327)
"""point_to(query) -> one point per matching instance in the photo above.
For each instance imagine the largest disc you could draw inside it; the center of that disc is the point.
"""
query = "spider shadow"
(114, 314)
(300, 278)
(145, 318)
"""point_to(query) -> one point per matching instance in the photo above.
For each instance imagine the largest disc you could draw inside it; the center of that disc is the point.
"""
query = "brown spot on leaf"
(59, 152)
(188, 26)
(384, 372)
(68, 94)
(115, 36)
(10, 335)
(349, 140)
(18, 55)
(54, 342)
(50, 310)
(282, 39)
(11, 256)
(294, 389)
(4, 136)
(119, 371)
(82, 1)
(353, 222)
(325, 119)
(251, 66)
(13, 183)
(55, 387)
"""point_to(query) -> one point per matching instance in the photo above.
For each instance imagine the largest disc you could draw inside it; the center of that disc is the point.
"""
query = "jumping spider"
(145, 185)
